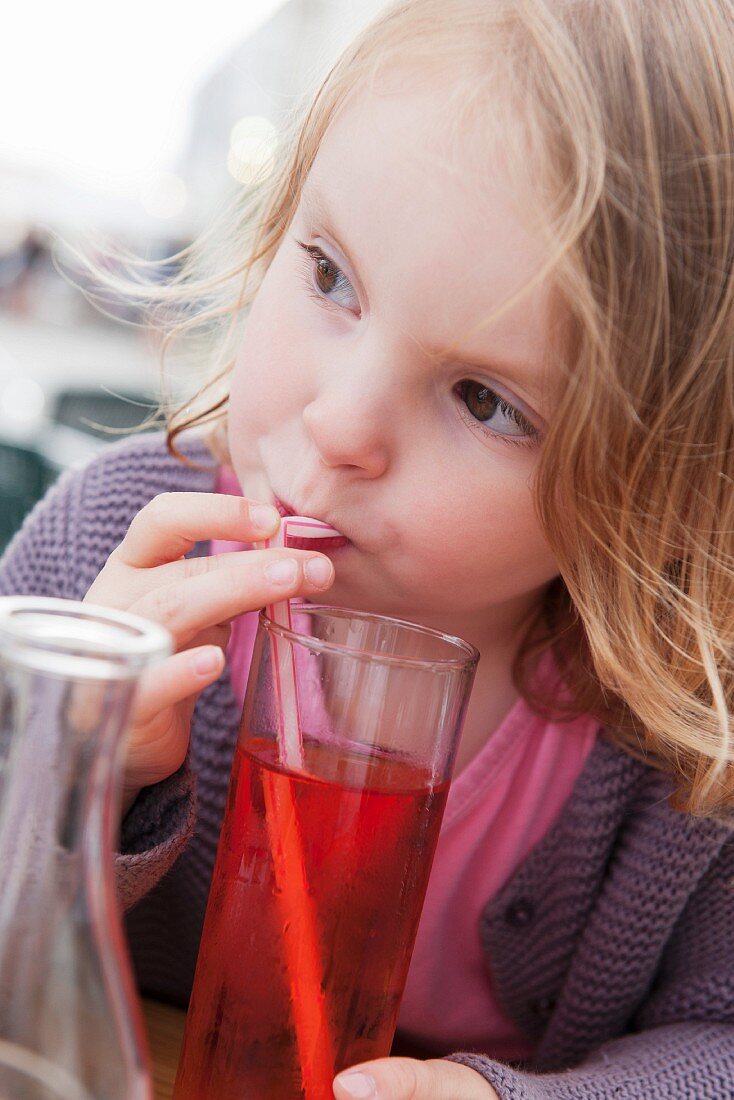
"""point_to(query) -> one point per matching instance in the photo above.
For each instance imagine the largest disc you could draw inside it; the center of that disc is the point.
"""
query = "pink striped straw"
(303, 951)
(299, 532)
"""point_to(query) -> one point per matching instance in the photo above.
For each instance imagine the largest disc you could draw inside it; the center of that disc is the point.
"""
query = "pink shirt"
(498, 809)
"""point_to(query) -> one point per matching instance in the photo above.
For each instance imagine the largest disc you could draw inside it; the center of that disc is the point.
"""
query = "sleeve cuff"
(154, 833)
(685, 1061)
(508, 1083)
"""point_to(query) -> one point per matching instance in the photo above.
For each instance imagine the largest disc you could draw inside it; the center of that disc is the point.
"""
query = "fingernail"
(207, 660)
(358, 1085)
(282, 572)
(264, 518)
(319, 571)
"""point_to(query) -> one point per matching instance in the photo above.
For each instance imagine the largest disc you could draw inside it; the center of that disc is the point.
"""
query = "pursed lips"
(324, 544)
(283, 509)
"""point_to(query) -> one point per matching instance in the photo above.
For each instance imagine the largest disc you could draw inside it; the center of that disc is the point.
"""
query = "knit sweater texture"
(612, 947)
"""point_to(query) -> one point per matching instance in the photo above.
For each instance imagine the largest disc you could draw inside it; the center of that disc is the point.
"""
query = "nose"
(349, 420)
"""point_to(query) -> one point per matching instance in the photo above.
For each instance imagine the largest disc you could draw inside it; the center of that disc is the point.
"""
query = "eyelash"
(531, 435)
(313, 254)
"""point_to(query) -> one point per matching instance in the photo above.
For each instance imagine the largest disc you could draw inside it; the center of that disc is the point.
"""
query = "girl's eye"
(494, 413)
(327, 281)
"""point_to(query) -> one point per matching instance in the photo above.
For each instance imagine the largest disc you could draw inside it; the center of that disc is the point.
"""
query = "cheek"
(268, 360)
(486, 537)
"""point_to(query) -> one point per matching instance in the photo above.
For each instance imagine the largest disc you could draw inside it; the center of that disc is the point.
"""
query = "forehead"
(440, 232)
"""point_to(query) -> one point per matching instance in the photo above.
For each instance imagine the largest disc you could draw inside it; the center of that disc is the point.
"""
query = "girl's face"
(362, 394)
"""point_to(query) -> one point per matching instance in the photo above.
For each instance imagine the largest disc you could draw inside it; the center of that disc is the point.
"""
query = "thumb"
(409, 1079)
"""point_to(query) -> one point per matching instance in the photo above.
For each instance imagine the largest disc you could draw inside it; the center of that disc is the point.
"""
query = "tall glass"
(333, 814)
(69, 1023)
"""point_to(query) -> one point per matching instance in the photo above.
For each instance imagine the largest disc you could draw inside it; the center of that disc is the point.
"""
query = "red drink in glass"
(335, 907)
(349, 729)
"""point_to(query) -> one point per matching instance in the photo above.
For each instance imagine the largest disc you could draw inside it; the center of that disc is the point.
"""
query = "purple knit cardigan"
(612, 947)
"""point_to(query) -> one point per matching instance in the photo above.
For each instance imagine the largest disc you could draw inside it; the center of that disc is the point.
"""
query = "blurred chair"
(24, 477)
(76, 431)
(94, 410)
(83, 421)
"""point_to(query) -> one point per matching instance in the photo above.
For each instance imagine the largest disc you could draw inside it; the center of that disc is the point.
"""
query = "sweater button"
(520, 914)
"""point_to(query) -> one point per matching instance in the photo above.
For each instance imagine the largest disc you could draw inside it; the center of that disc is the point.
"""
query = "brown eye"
(480, 400)
(490, 409)
(327, 275)
(327, 281)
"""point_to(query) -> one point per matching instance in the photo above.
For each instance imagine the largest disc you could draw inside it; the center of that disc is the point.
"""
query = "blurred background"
(129, 125)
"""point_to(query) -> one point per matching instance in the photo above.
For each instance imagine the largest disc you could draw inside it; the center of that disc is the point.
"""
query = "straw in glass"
(303, 533)
(298, 917)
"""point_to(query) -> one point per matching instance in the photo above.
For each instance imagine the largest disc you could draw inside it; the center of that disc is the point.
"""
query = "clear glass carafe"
(70, 1025)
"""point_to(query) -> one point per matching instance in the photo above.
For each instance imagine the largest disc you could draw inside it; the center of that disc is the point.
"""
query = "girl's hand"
(409, 1079)
(195, 599)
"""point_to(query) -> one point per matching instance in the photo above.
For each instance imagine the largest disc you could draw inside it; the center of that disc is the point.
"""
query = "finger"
(409, 1079)
(169, 526)
(175, 679)
(177, 571)
(215, 635)
(187, 607)
(161, 726)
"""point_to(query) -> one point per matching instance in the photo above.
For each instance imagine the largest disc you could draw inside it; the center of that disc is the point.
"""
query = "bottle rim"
(80, 640)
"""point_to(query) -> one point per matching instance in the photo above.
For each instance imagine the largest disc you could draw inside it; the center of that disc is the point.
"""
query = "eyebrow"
(514, 370)
(317, 206)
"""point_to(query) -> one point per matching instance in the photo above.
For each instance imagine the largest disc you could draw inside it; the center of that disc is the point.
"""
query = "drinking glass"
(349, 732)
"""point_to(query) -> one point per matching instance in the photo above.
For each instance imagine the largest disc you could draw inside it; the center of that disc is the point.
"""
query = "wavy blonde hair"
(625, 109)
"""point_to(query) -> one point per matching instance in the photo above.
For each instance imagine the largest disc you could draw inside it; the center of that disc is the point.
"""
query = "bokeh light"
(164, 195)
(252, 146)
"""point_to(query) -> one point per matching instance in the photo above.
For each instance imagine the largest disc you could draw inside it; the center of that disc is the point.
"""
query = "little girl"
(483, 324)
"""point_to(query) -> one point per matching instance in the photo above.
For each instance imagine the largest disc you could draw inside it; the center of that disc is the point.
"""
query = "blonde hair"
(625, 109)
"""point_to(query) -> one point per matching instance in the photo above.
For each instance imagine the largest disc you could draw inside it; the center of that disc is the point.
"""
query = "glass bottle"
(70, 1025)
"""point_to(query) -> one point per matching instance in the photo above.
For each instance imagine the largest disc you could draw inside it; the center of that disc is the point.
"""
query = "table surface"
(165, 1026)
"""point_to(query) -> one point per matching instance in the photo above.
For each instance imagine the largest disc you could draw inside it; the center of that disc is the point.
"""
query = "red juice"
(312, 915)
